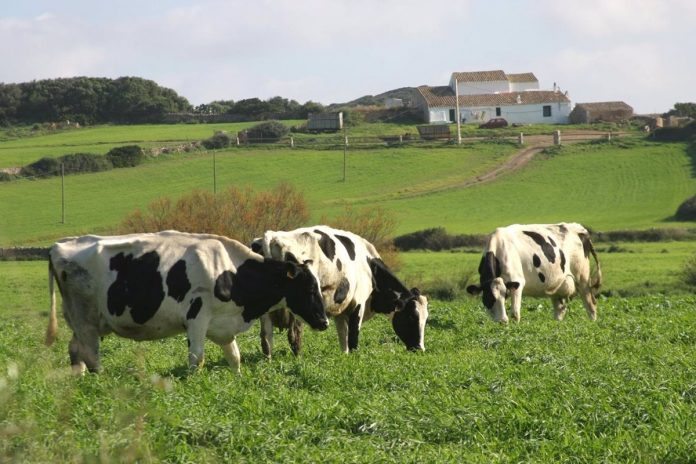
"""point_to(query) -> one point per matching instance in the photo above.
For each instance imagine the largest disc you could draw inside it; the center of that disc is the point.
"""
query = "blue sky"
(639, 51)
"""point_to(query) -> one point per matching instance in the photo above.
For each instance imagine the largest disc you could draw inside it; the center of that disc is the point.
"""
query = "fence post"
(62, 193)
(557, 137)
(237, 141)
(609, 136)
(520, 139)
(292, 142)
(345, 152)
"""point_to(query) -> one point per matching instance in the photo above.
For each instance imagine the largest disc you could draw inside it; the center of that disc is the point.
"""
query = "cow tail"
(597, 283)
(52, 329)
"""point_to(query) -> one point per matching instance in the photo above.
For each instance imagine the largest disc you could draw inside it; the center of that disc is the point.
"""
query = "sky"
(642, 52)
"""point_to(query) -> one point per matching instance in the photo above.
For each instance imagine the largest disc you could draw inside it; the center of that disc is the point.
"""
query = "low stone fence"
(23, 254)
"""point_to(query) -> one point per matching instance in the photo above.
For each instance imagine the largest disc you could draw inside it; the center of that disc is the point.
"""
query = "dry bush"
(235, 213)
(376, 225)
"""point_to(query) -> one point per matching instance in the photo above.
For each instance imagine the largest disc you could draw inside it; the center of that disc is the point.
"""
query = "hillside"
(627, 185)
(405, 93)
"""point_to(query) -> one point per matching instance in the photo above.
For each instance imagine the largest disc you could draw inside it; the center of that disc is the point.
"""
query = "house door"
(453, 117)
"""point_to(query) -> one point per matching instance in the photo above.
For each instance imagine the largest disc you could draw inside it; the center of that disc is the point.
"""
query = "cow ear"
(512, 285)
(473, 289)
(415, 291)
(308, 262)
(291, 269)
(289, 256)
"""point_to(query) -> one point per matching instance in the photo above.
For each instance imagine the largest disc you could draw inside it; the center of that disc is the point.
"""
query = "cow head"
(409, 320)
(494, 293)
(301, 291)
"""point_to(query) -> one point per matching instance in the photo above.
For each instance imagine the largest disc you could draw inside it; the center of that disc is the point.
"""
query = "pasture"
(621, 389)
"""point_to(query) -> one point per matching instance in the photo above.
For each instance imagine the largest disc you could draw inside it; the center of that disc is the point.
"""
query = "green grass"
(621, 389)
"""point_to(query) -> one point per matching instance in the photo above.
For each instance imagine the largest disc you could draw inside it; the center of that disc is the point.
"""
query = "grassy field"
(605, 186)
(622, 389)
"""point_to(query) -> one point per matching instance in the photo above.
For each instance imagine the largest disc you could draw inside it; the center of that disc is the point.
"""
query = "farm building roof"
(444, 96)
(522, 77)
(605, 106)
(480, 76)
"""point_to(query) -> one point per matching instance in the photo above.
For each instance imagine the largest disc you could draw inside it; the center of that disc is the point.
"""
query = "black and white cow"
(151, 286)
(355, 284)
(537, 260)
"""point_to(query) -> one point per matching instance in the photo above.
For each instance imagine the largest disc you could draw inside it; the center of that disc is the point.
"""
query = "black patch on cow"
(536, 260)
(327, 245)
(259, 285)
(545, 246)
(354, 328)
(562, 228)
(406, 324)
(542, 277)
(256, 247)
(387, 289)
(563, 260)
(339, 264)
(195, 307)
(350, 246)
(289, 256)
(178, 284)
(551, 241)
(341, 291)
(489, 269)
(138, 285)
(223, 286)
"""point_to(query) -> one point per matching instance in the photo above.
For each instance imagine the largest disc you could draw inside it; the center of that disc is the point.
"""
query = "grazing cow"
(537, 260)
(355, 284)
(151, 286)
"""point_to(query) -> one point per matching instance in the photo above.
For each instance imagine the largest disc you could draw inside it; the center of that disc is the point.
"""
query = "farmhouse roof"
(605, 106)
(522, 77)
(480, 76)
(443, 96)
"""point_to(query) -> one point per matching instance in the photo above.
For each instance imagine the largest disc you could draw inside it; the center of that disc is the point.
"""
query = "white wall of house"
(439, 114)
(522, 86)
(478, 88)
(518, 114)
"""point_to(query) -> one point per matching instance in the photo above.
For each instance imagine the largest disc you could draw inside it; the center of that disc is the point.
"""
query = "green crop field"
(622, 389)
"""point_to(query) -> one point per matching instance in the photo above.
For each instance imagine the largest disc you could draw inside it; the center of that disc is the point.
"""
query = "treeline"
(129, 100)
(255, 109)
(88, 100)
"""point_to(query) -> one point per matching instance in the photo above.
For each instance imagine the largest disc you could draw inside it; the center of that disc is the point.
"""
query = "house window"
(452, 118)
(497, 111)
(547, 111)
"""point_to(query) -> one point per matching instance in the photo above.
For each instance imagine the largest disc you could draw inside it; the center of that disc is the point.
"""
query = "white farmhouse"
(493, 94)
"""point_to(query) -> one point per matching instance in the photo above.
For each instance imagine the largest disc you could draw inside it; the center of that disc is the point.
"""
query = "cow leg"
(515, 303)
(88, 348)
(342, 329)
(354, 329)
(76, 363)
(195, 333)
(590, 302)
(266, 335)
(231, 351)
(295, 335)
(559, 307)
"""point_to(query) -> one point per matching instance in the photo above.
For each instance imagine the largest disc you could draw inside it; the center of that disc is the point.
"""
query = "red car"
(494, 123)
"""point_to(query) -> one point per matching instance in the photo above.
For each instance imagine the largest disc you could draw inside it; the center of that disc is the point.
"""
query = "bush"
(675, 134)
(43, 167)
(239, 214)
(5, 176)
(219, 140)
(687, 210)
(375, 225)
(689, 271)
(126, 156)
(270, 131)
(436, 239)
(85, 162)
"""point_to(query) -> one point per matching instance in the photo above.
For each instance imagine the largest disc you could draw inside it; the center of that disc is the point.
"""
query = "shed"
(615, 111)
(325, 121)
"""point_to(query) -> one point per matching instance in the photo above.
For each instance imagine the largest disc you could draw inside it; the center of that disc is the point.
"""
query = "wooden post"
(237, 141)
(292, 142)
(520, 139)
(345, 153)
(609, 137)
(401, 139)
(214, 175)
(557, 137)
(459, 119)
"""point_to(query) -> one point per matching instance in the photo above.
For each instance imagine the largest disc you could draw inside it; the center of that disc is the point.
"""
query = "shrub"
(219, 140)
(436, 239)
(687, 210)
(375, 225)
(85, 162)
(43, 167)
(270, 131)
(126, 156)
(689, 271)
(6, 176)
(239, 214)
